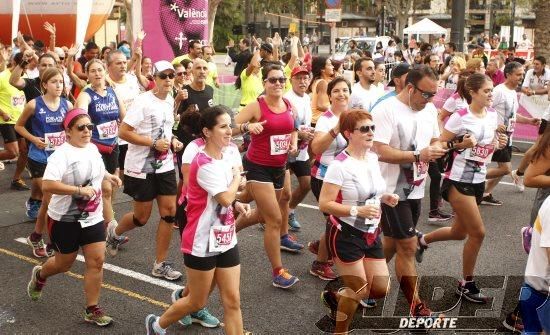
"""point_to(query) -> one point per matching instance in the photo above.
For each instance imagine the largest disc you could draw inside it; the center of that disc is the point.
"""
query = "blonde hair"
(474, 64)
(460, 62)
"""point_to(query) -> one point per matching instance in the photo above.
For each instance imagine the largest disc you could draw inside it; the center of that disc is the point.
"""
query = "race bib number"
(511, 125)
(376, 220)
(18, 101)
(420, 171)
(279, 144)
(107, 130)
(54, 140)
(480, 153)
(222, 238)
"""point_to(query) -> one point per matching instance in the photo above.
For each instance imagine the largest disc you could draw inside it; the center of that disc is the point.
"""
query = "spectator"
(493, 71)
(241, 59)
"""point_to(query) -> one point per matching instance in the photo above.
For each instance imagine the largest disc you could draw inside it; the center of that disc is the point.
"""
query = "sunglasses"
(90, 127)
(425, 95)
(274, 80)
(163, 75)
(365, 129)
(179, 74)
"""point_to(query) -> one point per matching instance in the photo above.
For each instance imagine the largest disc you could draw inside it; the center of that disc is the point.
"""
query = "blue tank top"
(47, 124)
(104, 113)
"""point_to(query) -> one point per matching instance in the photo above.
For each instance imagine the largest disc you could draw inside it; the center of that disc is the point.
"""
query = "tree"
(212, 10)
(542, 28)
(400, 9)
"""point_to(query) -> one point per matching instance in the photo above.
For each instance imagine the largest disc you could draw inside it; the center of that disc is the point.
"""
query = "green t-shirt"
(12, 100)
(178, 59)
(251, 87)
(212, 74)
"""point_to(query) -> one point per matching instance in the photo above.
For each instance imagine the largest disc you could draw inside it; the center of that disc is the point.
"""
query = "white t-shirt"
(505, 101)
(535, 82)
(127, 92)
(362, 98)
(79, 167)
(454, 103)
(359, 181)
(326, 122)
(207, 178)
(152, 117)
(230, 153)
(470, 166)
(402, 128)
(537, 271)
(302, 107)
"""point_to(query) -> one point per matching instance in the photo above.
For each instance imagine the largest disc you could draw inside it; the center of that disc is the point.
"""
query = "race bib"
(54, 140)
(18, 101)
(420, 171)
(374, 221)
(480, 153)
(139, 175)
(107, 130)
(279, 144)
(222, 238)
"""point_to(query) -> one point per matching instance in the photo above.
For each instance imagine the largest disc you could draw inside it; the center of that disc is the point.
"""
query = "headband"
(71, 115)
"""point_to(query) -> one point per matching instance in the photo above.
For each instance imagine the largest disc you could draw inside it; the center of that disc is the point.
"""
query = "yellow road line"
(128, 293)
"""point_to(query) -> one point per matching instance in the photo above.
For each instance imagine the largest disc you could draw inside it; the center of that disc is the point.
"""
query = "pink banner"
(171, 24)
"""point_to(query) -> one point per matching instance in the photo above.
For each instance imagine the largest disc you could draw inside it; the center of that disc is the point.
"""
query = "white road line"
(526, 142)
(125, 272)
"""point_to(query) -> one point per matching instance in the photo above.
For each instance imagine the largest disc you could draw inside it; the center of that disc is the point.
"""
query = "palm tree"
(542, 28)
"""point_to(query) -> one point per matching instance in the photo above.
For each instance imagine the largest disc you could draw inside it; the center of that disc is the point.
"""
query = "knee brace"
(168, 218)
(138, 223)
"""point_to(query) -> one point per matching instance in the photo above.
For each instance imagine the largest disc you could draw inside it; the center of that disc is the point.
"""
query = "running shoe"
(97, 316)
(32, 206)
(166, 271)
(176, 294)
(322, 270)
(289, 244)
(470, 292)
(489, 200)
(330, 300)
(293, 223)
(421, 310)
(419, 255)
(526, 234)
(204, 318)
(513, 321)
(284, 279)
(38, 247)
(438, 215)
(313, 247)
(518, 181)
(19, 185)
(150, 325)
(34, 288)
(368, 303)
(113, 242)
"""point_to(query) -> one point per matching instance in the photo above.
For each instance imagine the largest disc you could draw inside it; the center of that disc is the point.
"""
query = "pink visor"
(71, 115)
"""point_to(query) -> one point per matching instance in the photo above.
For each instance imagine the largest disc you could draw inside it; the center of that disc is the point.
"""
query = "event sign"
(171, 24)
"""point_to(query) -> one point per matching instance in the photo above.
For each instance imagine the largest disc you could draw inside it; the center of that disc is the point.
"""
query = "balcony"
(478, 4)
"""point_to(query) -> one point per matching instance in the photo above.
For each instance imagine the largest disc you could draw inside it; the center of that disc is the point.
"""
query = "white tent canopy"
(425, 26)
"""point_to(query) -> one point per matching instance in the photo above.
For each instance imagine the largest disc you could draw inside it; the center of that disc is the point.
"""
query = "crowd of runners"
(84, 127)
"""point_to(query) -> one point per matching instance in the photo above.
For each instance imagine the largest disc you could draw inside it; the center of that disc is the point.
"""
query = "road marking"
(525, 142)
(126, 272)
(81, 277)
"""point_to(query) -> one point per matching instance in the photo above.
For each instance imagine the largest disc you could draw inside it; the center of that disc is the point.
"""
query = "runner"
(74, 175)
(352, 191)
(149, 165)
(271, 125)
(327, 143)
(299, 165)
(472, 133)
(209, 241)
(406, 139)
(505, 101)
(44, 114)
(249, 81)
(363, 93)
(106, 111)
(322, 72)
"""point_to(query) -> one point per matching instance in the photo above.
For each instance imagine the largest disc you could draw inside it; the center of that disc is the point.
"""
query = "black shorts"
(111, 160)
(316, 185)
(472, 190)
(300, 168)
(349, 244)
(154, 184)
(8, 133)
(264, 174)
(122, 149)
(503, 155)
(399, 222)
(542, 126)
(227, 259)
(36, 168)
(67, 237)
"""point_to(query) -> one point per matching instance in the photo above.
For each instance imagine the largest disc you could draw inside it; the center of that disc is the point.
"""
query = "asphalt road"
(130, 295)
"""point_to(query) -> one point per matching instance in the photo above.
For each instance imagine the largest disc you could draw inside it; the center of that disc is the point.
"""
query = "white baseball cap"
(163, 65)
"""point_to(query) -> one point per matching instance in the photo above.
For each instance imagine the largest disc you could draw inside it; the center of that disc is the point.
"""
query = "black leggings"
(435, 186)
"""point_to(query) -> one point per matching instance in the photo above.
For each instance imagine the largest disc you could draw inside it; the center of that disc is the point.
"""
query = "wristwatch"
(416, 154)
(353, 211)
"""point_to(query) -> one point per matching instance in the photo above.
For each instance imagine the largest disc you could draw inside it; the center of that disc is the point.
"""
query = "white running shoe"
(518, 181)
